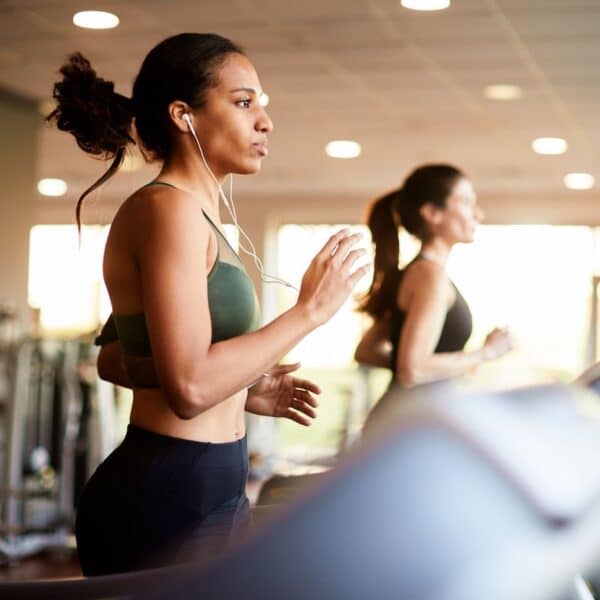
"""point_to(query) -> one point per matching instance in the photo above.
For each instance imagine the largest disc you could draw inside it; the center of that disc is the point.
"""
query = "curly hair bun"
(90, 109)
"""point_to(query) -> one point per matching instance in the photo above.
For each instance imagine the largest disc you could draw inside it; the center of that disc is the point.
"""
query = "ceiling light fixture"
(263, 99)
(95, 19)
(52, 187)
(579, 181)
(425, 4)
(502, 91)
(343, 149)
(549, 145)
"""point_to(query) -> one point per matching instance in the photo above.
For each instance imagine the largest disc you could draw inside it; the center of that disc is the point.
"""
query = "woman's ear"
(176, 110)
(431, 214)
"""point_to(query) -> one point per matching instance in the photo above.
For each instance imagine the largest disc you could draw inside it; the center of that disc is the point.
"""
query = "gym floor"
(48, 565)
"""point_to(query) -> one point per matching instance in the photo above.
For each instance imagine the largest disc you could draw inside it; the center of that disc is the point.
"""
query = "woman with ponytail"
(421, 322)
(185, 331)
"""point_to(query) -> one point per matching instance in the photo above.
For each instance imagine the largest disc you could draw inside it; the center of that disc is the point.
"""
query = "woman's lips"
(261, 148)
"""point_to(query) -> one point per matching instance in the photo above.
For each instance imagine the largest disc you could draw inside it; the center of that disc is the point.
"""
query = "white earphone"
(265, 277)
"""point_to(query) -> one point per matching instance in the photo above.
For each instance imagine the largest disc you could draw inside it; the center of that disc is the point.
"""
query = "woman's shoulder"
(160, 198)
(161, 206)
(423, 278)
(159, 216)
(425, 272)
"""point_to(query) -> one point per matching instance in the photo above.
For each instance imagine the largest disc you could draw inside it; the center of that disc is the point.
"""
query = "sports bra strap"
(225, 252)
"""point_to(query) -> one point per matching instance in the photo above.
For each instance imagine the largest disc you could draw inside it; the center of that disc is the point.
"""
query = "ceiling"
(407, 85)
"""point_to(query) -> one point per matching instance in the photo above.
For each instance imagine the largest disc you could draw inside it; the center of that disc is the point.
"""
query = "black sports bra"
(457, 328)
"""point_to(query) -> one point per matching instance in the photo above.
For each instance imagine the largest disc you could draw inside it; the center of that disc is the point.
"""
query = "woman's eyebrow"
(246, 89)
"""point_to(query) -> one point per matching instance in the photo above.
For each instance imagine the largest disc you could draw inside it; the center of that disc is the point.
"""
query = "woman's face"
(458, 220)
(232, 126)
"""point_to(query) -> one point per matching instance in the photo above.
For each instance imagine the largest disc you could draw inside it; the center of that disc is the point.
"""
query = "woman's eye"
(244, 103)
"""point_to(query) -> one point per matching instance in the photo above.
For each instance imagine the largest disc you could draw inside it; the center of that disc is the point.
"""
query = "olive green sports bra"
(232, 301)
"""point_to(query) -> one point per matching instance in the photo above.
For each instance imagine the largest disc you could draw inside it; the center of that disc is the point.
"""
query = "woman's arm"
(425, 314)
(375, 347)
(111, 366)
(171, 255)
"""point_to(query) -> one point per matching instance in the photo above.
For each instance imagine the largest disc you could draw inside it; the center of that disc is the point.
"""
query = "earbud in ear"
(187, 119)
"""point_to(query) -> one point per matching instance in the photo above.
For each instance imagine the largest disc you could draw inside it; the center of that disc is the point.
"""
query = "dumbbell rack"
(29, 374)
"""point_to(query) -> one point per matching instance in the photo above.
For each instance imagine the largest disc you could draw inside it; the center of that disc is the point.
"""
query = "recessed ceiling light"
(579, 181)
(264, 99)
(549, 145)
(502, 92)
(425, 4)
(52, 187)
(343, 149)
(95, 19)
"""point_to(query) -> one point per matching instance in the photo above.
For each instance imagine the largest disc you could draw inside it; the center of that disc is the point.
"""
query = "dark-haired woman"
(185, 333)
(421, 322)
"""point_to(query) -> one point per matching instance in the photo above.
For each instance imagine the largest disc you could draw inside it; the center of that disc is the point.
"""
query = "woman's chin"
(248, 169)
(467, 238)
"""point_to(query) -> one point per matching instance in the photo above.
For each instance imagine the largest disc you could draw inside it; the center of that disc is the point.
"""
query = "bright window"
(65, 277)
(535, 279)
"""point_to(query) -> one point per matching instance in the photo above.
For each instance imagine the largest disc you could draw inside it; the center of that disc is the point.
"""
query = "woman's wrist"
(487, 354)
(251, 400)
(307, 315)
(257, 405)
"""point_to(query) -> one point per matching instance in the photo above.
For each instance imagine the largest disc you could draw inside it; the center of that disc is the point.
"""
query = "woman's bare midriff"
(222, 423)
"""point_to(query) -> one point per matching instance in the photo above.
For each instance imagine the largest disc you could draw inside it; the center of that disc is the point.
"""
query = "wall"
(19, 123)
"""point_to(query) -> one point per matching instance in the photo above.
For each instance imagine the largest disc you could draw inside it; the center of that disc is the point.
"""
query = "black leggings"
(159, 500)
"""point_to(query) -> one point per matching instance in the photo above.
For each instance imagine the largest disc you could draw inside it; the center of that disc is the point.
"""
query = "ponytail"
(383, 222)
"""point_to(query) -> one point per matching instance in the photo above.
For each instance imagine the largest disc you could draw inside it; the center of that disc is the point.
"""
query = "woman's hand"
(278, 394)
(497, 343)
(329, 278)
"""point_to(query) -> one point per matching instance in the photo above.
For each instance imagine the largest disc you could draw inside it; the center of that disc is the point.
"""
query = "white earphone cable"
(265, 277)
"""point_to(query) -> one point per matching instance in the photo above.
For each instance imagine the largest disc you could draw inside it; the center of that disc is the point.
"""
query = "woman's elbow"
(368, 357)
(100, 368)
(105, 366)
(408, 375)
(184, 412)
(185, 400)
(359, 356)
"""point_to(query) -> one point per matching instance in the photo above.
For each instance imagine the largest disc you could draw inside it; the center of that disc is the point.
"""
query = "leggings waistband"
(139, 436)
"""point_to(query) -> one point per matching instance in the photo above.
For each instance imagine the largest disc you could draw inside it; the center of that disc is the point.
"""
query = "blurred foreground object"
(450, 497)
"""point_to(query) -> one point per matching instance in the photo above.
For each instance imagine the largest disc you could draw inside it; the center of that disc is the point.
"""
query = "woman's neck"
(189, 173)
(436, 250)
